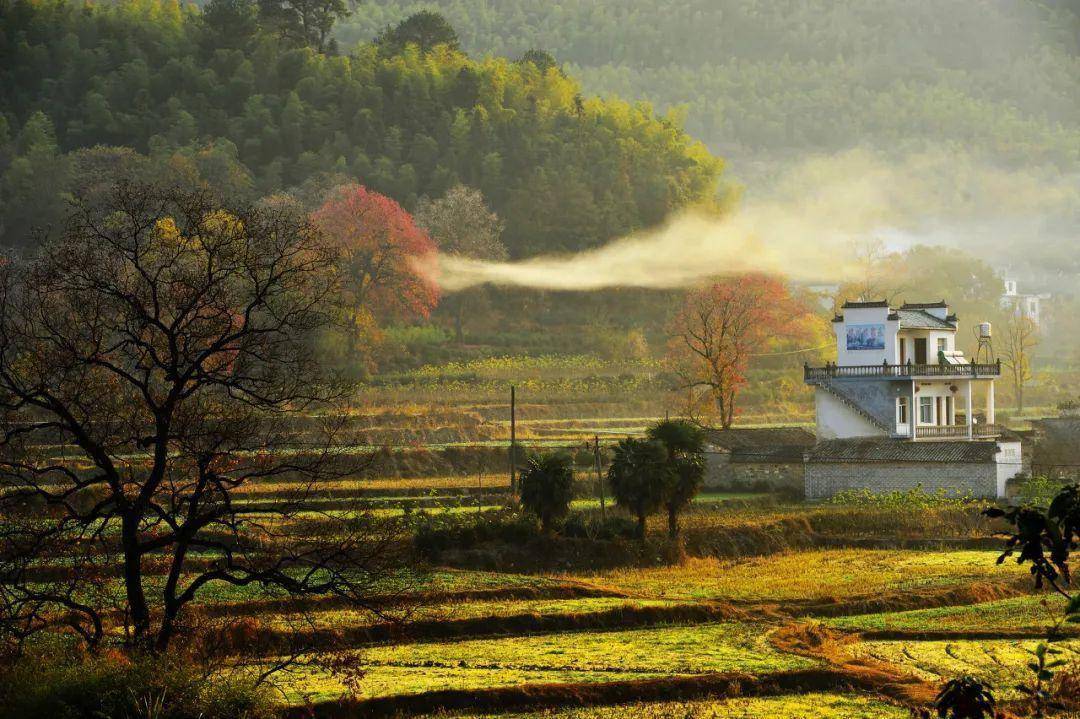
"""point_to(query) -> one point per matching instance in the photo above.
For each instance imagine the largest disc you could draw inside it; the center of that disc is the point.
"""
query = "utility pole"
(599, 477)
(479, 485)
(513, 440)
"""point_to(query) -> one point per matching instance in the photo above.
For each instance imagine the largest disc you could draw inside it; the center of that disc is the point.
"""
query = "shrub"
(585, 457)
(110, 685)
(438, 533)
(916, 498)
(586, 527)
(1066, 687)
(1039, 490)
(547, 486)
(965, 698)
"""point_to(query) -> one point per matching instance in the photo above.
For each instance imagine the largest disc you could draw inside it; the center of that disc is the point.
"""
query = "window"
(901, 410)
(942, 344)
(926, 410)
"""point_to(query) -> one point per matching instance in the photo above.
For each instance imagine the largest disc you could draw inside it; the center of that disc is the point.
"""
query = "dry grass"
(806, 576)
(1002, 663)
(387, 486)
(1015, 615)
(817, 704)
(568, 657)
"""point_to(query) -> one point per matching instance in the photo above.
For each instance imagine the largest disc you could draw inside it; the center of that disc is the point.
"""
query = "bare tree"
(461, 224)
(1019, 341)
(154, 360)
(871, 278)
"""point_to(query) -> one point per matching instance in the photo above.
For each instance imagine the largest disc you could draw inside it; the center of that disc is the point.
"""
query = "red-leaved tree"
(381, 249)
(719, 328)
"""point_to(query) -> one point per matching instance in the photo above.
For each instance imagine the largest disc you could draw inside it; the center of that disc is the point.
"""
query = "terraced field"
(1002, 663)
(808, 576)
(567, 657)
(680, 643)
(815, 704)
(1019, 615)
(775, 610)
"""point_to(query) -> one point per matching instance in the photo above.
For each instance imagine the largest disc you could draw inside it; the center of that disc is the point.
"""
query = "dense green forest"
(257, 110)
(1000, 79)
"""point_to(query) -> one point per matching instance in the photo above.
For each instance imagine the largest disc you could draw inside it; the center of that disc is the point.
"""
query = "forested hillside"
(259, 110)
(1000, 79)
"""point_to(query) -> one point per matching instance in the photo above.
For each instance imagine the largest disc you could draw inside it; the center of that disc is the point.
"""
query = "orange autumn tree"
(719, 328)
(381, 251)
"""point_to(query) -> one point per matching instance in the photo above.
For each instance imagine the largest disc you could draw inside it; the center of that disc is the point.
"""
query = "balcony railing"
(956, 431)
(902, 370)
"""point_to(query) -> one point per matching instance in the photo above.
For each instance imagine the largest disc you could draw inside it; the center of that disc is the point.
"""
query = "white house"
(899, 398)
(1027, 304)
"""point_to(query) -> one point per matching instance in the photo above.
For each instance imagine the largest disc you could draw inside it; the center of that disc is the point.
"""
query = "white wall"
(1008, 464)
(908, 338)
(835, 420)
(941, 389)
(866, 316)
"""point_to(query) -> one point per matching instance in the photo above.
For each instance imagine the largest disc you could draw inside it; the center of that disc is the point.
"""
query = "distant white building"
(902, 407)
(1030, 305)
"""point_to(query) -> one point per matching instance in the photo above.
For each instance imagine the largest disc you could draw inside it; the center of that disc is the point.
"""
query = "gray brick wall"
(825, 479)
(723, 474)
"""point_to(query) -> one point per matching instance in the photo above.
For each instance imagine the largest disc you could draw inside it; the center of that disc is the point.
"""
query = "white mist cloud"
(804, 228)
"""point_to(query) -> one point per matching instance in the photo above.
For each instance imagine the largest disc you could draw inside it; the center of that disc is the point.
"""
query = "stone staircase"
(838, 390)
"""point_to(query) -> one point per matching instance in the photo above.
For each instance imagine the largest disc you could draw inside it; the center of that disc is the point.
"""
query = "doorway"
(920, 350)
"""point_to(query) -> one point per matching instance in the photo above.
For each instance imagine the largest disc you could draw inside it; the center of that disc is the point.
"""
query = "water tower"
(984, 353)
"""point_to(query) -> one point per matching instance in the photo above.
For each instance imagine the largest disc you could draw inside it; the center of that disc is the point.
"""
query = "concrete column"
(967, 397)
(913, 414)
(990, 402)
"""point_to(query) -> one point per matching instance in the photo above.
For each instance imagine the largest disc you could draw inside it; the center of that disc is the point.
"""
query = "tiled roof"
(759, 438)
(860, 305)
(777, 453)
(940, 305)
(921, 319)
(893, 450)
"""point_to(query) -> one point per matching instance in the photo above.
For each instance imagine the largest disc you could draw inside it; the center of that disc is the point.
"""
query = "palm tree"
(547, 487)
(683, 443)
(638, 475)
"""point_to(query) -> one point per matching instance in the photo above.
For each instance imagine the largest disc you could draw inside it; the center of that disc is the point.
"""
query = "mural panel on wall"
(866, 337)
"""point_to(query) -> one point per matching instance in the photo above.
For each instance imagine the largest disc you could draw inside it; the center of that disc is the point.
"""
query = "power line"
(790, 352)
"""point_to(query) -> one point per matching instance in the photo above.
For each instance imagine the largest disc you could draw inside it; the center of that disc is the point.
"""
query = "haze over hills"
(962, 91)
(789, 76)
(957, 123)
